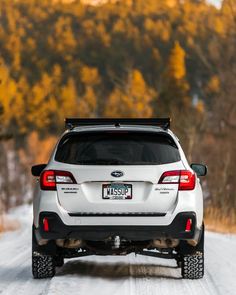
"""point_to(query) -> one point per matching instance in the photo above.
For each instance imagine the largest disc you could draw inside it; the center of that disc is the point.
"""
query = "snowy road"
(128, 275)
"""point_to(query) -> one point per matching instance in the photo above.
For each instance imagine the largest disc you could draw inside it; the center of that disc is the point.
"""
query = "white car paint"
(148, 195)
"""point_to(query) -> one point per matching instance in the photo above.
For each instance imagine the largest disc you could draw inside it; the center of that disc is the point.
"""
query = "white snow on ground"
(128, 275)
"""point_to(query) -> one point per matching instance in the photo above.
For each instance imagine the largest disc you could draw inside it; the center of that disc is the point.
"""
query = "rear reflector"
(188, 226)
(50, 178)
(184, 178)
(45, 225)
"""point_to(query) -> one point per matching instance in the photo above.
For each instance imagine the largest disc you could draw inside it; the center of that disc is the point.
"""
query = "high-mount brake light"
(184, 178)
(50, 178)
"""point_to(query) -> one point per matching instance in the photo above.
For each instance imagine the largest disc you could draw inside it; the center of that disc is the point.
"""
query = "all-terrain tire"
(43, 266)
(192, 266)
(191, 258)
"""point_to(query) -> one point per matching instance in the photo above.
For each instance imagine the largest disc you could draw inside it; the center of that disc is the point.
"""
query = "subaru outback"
(114, 187)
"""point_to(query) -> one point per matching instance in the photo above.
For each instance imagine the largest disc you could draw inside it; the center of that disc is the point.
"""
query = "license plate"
(117, 191)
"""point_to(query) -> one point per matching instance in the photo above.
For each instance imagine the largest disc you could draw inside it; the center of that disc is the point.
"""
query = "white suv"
(116, 186)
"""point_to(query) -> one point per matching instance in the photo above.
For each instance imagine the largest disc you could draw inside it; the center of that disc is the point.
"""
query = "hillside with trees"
(124, 58)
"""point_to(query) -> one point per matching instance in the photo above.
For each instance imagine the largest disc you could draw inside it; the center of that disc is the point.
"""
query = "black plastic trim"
(129, 214)
(70, 123)
(175, 230)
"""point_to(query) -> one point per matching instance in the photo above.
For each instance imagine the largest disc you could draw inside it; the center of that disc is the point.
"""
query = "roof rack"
(71, 123)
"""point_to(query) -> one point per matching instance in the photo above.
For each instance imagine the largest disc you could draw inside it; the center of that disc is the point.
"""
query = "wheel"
(192, 266)
(43, 266)
(43, 261)
(191, 259)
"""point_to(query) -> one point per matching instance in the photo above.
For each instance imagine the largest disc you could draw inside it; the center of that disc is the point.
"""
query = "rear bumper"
(175, 230)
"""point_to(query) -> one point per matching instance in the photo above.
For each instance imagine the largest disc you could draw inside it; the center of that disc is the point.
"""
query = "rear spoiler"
(71, 123)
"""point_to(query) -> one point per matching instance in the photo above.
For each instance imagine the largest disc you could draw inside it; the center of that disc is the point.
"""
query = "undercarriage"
(50, 254)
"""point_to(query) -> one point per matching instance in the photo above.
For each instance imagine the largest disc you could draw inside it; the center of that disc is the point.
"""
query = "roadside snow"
(128, 275)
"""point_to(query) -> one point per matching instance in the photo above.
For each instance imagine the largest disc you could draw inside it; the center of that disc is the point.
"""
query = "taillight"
(50, 178)
(186, 179)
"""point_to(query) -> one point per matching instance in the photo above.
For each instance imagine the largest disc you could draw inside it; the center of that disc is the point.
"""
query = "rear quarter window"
(117, 148)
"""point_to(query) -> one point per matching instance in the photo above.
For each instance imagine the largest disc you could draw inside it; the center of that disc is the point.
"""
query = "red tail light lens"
(186, 179)
(47, 180)
(188, 226)
(45, 225)
(50, 178)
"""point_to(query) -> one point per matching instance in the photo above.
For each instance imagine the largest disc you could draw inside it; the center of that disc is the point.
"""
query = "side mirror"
(37, 169)
(201, 170)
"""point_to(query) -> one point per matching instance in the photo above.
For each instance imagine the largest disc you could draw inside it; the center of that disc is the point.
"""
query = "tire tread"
(43, 266)
(192, 266)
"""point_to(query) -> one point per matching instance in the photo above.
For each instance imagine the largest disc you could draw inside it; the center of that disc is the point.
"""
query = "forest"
(124, 58)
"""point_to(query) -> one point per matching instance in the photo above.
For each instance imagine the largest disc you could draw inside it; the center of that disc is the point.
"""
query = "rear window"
(117, 148)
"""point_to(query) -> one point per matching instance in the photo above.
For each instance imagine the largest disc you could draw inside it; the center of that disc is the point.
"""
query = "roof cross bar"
(71, 123)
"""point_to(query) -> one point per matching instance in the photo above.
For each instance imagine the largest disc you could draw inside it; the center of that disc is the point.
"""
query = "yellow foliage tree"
(133, 100)
(43, 104)
(63, 39)
(176, 64)
(90, 76)
(12, 98)
(88, 101)
(69, 99)
(175, 86)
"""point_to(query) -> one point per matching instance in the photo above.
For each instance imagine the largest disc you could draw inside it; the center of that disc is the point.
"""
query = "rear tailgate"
(146, 195)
